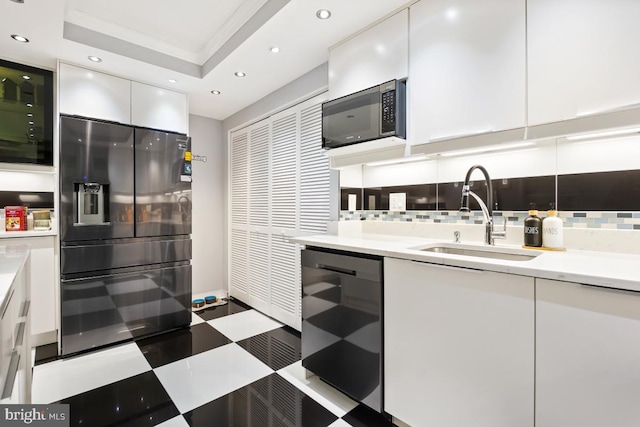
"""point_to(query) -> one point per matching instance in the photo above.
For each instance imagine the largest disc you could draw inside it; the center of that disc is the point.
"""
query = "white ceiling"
(199, 43)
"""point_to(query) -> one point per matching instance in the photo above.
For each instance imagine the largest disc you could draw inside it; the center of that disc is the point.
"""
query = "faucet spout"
(487, 209)
(466, 191)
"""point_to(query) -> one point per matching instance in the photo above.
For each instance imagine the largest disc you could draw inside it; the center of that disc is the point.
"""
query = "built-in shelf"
(366, 152)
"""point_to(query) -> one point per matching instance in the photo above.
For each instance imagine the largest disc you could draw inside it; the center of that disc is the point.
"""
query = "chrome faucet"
(490, 234)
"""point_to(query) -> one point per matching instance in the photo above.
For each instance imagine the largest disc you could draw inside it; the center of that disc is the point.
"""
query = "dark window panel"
(373, 199)
(26, 114)
(30, 199)
(450, 195)
(420, 197)
(516, 194)
(600, 191)
(344, 198)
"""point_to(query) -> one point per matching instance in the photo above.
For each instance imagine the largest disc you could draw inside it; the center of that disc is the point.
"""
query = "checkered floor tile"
(232, 367)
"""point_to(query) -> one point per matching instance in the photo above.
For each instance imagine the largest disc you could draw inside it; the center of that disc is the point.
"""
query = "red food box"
(15, 218)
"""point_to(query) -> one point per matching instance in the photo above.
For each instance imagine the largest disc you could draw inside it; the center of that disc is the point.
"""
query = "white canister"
(552, 231)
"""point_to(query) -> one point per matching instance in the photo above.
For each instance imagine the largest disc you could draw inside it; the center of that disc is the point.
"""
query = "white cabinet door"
(44, 280)
(92, 94)
(582, 58)
(587, 356)
(44, 298)
(467, 68)
(373, 57)
(459, 346)
(159, 108)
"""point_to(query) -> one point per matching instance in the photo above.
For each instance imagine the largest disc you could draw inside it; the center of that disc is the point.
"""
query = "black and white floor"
(232, 367)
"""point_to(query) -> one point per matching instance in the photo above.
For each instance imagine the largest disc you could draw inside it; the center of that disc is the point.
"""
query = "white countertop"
(30, 233)
(12, 258)
(605, 269)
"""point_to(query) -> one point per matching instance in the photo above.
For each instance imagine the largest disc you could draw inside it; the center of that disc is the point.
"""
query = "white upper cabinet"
(97, 95)
(374, 56)
(91, 94)
(467, 68)
(583, 58)
(158, 108)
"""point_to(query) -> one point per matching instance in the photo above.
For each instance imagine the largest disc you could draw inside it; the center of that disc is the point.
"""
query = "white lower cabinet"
(15, 336)
(459, 346)
(587, 356)
(44, 298)
(44, 280)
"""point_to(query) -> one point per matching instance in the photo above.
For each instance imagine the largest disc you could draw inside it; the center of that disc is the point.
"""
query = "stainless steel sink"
(510, 255)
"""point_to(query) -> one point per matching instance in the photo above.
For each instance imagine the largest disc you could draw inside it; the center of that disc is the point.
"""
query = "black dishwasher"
(342, 321)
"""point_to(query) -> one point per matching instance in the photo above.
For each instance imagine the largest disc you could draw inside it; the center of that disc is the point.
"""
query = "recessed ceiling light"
(19, 38)
(29, 114)
(26, 77)
(173, 81)
(29, 104)
(323, 14)
(216, 92)
(18, 1)
(239, 74)
(94, 58)
(31, 123)
(274, 49)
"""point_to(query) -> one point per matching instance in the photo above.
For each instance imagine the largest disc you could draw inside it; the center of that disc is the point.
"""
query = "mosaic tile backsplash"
(603, 220)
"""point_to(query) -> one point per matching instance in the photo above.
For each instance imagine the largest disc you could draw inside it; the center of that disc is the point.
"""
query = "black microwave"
(374, 113)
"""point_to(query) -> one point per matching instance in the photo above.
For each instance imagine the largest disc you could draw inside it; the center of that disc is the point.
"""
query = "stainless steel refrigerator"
(125, 226)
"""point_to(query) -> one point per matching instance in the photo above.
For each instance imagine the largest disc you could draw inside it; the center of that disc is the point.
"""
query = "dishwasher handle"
(336, 269)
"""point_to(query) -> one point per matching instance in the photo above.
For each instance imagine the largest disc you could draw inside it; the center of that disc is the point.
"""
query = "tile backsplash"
(596, 220)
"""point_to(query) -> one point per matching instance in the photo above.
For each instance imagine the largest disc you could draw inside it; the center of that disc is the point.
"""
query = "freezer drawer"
(102, 310)
(342, 322)
(110, 255)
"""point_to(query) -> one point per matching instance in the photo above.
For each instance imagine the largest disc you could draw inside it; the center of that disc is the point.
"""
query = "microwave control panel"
(388, 124)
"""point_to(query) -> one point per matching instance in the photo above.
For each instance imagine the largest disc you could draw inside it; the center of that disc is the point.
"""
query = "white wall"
(304, 87)
(209, 209)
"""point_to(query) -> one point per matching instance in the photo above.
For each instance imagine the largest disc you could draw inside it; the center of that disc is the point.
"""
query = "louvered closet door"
(314, 173)
(279, 189)
(314, 191)
(239, 239)
(285, 282)
(260, 238)
(284, 173)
